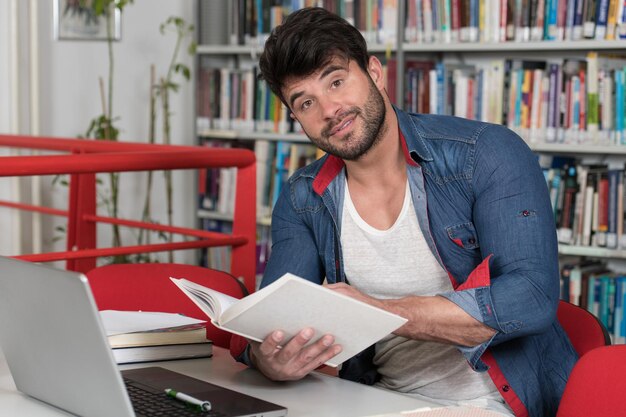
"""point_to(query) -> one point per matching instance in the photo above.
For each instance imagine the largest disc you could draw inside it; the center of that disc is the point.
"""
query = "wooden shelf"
(576, 149)
(591, 251)
(256, 50)
(554, 148)
(583, 45)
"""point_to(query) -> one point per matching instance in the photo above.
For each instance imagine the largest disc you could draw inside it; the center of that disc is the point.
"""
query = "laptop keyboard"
(148, 403)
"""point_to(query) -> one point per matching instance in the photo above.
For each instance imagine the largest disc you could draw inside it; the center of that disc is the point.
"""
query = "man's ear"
(375, 70)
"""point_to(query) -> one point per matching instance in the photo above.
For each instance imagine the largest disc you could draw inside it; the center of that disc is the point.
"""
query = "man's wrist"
(251, 357)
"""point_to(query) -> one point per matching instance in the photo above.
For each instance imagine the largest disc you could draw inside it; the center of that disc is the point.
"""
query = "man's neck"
(385, 162)
(377, 182)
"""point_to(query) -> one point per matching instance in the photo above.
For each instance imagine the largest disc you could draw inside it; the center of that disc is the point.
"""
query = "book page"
(213, 303)
(292, 303)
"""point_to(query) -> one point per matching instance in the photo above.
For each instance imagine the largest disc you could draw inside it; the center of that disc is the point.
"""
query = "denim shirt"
(483, 206)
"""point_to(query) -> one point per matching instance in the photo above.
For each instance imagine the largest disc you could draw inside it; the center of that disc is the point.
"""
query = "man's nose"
(330, 107)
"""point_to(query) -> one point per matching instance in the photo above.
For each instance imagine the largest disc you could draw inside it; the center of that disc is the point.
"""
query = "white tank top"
(395, 263)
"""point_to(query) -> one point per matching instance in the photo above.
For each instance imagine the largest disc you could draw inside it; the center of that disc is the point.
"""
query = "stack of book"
(137, 336)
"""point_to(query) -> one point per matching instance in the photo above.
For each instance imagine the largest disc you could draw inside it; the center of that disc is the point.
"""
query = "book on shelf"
(428, 21)
(588, 202)
(602, 292)
(291, 304)
(249, 22)
(570, 100)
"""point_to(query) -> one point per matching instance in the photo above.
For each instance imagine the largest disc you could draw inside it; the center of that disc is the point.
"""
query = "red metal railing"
(84, 158)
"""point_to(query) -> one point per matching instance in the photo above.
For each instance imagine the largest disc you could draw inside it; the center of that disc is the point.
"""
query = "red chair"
(597, 385)
(584, 329)
(148, 287)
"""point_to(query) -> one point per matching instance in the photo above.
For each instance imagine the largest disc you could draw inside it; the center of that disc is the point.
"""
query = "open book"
(291, 304)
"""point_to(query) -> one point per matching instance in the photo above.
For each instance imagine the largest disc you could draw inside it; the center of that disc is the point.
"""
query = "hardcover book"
(290, 304)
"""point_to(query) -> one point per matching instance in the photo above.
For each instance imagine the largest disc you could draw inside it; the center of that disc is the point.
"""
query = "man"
(441, 220)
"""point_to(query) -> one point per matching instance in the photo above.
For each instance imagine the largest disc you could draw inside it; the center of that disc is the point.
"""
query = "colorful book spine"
(611, 236)
(577, 31)
(620, 137)
(602, 14)
(611, 23)
(551, 20)
(593, 119)
(621, 23)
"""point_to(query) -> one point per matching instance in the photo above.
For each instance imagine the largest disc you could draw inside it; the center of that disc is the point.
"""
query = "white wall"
(69, 99)
(5, 54)
(8, 219)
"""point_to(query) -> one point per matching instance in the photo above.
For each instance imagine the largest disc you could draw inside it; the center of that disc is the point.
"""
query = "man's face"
(339, 107)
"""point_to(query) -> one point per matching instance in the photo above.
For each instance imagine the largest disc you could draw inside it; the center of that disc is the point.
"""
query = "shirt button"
(505, 388)
(471, 240)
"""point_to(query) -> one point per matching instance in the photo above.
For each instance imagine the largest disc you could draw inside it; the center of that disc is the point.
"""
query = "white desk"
(316, 395)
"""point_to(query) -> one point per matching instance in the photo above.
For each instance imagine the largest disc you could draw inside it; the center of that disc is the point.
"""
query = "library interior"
(150, 165)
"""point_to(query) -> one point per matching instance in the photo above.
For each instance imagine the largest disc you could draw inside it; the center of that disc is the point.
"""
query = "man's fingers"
(320, 359)
(290, 360)
(271, 343)
(311, 353)
(295, 345)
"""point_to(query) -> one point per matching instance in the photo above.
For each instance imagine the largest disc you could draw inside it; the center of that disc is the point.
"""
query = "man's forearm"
(437, 319)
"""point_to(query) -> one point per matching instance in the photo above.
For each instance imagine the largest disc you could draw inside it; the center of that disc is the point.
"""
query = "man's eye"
(337, 83)
(305, 104)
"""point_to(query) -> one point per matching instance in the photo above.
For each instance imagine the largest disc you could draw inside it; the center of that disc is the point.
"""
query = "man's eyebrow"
(331, 68)
(328, 70)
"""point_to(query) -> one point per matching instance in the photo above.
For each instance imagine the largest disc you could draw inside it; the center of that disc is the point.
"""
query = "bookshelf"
(240, 54)
(240, 51)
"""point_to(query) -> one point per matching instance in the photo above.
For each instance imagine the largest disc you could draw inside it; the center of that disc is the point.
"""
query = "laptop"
(57, 352)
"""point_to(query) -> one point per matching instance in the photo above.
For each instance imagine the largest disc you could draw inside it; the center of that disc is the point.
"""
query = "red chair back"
(596, 385)
(147, 287)
(584, 329)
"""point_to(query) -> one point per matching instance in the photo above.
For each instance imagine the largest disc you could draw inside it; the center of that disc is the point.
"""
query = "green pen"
(201, 405)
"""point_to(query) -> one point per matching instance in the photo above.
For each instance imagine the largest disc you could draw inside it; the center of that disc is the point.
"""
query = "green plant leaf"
(184, 70)
(191, 49)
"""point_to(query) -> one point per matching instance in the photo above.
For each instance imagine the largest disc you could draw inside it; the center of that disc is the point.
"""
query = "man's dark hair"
(306, 42)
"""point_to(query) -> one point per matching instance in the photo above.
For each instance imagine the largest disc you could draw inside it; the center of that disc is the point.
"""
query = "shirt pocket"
(464, 235)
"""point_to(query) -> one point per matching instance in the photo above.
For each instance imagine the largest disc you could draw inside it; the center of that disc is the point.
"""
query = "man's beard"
(373, 114)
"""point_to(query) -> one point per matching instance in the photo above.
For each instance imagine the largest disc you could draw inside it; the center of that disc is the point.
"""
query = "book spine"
(592, 96)
(560, 19)
(410, 27)
(611, 236)
(551, 20)
(602, 14)
(589, 19)
(621, 30)
(552, 103)
(569, 19)
(577, 31)
(458, 22)
(428, 21)
(611, 23)
(620, 79)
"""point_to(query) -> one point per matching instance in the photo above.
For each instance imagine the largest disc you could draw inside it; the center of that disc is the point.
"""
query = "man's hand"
(291, 361)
